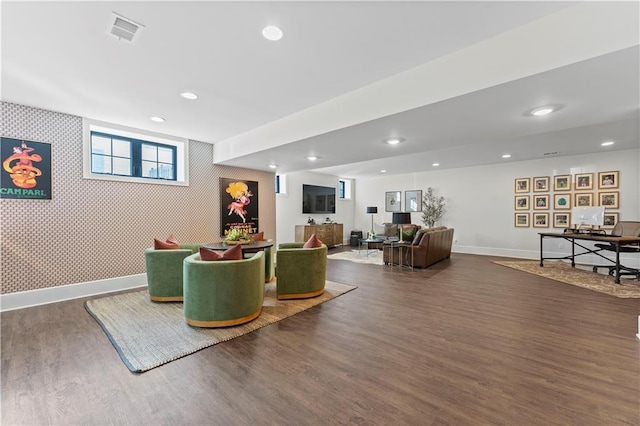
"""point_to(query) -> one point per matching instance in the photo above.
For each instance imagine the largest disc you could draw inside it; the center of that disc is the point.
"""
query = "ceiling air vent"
(551, 153)
(123, 28)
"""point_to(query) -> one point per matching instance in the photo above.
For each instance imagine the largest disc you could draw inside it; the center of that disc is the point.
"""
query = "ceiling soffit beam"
(574, 34)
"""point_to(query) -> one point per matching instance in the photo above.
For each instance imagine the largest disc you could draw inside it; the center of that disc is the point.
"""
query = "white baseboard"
(43, 296)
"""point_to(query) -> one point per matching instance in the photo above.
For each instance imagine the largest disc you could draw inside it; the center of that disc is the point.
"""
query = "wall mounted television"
(318, 199)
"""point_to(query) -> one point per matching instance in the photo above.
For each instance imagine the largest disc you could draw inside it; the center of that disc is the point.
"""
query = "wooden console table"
(617, 242)
(331, 234)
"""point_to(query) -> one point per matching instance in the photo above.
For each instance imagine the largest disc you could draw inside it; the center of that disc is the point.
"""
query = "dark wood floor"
(463, 342)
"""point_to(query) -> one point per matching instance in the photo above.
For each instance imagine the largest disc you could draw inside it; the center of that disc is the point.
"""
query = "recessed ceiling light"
(189, 95)
(506, 155)
(543, 110)
(607, 143)
(312, 158)
(383, 171)
(435, 164)
(157, 119)
(272, 33)
(272, 166)
(393, 141)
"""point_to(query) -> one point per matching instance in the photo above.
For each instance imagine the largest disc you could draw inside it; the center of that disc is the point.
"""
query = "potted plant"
(432, 208)
(236, 236)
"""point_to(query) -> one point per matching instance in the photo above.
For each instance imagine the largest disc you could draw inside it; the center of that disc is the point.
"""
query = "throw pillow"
(259, 236)
(418, 237)
(169, 244)
(312, 242)
(233, 253)
(408, 233)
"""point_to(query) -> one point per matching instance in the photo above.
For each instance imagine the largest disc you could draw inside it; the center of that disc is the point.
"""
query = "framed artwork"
(541, 184)
(610, 200)
(583, 199)
(392, 201)
(562, 183)
(238, 206)
(521, 220)
(521, 202)
(541, 220)
(610, 219)
(584, 181)
(562, 201)
(608, 180)
(541, 202)
(561, 220)
(26, 169)
(413, 201)
(522, 185)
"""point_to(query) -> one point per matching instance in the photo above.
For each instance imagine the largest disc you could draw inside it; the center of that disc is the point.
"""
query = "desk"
(617, 242)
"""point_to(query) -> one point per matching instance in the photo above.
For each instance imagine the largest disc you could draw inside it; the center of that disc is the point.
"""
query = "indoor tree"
(432, 208)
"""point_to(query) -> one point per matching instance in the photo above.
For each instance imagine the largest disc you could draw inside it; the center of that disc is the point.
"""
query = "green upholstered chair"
(164, 272)
(269, 266)
(223, 293)
(300, 272)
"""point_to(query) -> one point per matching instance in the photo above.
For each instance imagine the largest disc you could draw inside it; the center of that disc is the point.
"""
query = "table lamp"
(401, 219)
(371, 211)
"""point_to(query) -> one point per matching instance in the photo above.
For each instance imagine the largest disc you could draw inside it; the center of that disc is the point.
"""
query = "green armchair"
(300, 272)
(164, 272)
(223, 293)
(269, 267)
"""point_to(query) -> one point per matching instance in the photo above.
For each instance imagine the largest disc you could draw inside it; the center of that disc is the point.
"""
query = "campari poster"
(26, 169)
(239, 205)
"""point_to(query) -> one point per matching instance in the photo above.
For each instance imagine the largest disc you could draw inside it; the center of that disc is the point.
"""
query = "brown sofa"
(429, 246)
(391, 232)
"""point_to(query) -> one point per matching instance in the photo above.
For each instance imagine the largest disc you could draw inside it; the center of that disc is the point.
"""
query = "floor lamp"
(371, 211)
(401, 219)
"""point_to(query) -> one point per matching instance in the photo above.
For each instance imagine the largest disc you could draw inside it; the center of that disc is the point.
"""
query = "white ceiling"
(453, 79)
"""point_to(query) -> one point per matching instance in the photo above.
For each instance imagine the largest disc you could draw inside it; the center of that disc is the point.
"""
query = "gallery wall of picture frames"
(546, 201)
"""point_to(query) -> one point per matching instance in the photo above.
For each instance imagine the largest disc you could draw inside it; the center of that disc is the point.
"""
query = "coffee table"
(366, 242)
(246, 248)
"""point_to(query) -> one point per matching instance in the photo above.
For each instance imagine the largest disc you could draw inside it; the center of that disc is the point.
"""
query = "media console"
(331, 234)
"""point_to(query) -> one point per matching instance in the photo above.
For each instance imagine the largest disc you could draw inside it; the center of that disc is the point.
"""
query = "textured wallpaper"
(94, 229)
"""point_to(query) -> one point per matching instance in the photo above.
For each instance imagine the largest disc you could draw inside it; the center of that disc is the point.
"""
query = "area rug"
(628, 288)
(374, 257)
(147, 335)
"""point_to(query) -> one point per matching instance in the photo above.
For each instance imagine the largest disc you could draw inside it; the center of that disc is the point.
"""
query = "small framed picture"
(584, 181)
(541, 202)
(608, 180)
(610, 220)
(413, 201)
(610, 200)
(562, 183)
(561, 220)
(541, 184)
(521, 220)
(583, 199)
(541, 220)
(392, 201)
(522, 185)
(562, 201)
(522, 202)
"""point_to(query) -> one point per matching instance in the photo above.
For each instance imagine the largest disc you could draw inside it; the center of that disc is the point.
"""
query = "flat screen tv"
(318, 199)
(593, 216)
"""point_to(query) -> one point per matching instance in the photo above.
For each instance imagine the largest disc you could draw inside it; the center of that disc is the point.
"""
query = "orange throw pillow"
(169, 244)
(233, 253)
(258, 236)
(312, 242)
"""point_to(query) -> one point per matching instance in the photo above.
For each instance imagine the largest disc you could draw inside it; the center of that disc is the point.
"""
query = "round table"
(246, 248)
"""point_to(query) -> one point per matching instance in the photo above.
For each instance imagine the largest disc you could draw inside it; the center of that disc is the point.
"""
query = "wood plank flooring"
(465, 342)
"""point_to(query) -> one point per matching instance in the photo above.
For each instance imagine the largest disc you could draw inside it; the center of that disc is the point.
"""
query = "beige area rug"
(374, 257)
(628, 288)
(147, 335)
